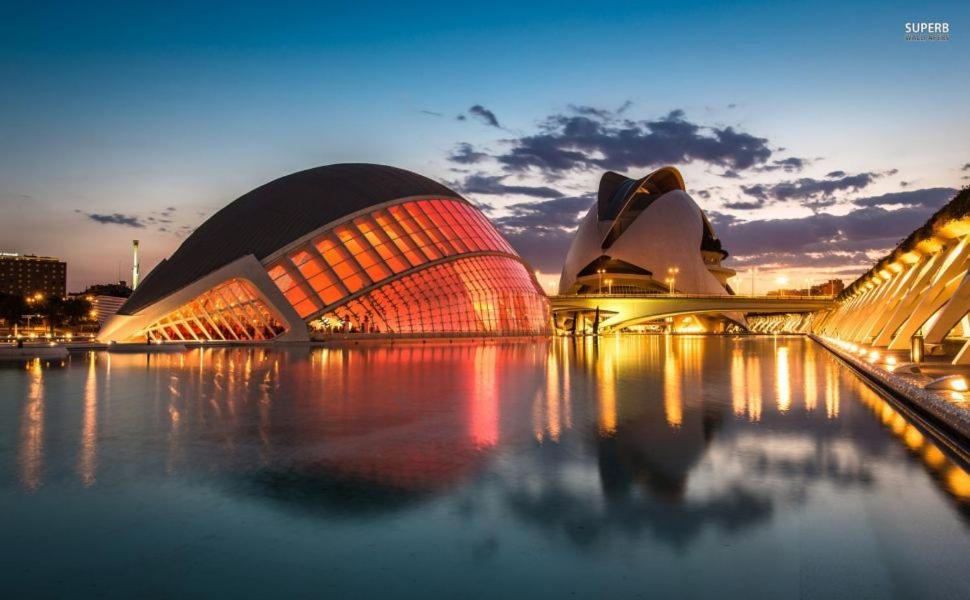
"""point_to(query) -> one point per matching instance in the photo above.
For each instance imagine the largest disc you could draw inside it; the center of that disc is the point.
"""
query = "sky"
(813, 134)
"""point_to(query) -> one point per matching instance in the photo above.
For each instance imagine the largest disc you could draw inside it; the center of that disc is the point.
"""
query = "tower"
(134, 265)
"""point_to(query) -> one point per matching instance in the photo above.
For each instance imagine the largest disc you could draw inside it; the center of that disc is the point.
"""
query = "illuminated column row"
(925, 289)
(369, 249)
(781, 323)
(228, 312)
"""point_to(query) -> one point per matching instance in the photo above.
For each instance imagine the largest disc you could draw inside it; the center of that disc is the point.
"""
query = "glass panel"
(359, 255)
(485, 294)
(229, 311)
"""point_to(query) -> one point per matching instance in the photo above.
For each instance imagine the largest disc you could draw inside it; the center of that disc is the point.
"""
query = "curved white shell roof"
(666, 234)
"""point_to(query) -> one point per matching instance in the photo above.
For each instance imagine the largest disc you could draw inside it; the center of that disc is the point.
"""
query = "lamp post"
(609, 287)
(600, 273)
(671, 279)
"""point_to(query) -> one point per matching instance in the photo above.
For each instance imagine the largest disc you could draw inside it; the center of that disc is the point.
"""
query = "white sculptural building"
(647, 236)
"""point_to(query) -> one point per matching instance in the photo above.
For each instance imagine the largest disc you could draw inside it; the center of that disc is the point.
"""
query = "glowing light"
(87, 459)
(738, 394)
(673, 402)
(958, 482)
(606, 391)
(955, 383)
(782, 379)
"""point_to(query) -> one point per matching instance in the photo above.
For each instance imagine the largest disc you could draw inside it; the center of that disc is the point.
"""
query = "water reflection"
(591, 442)
(32, 428)
(88, 456)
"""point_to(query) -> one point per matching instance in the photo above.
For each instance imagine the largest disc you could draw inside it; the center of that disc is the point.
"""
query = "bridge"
(617, 311)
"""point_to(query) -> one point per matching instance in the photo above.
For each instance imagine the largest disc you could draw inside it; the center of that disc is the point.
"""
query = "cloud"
(835, 174)
(965, 167)
(562, 213)
(481, 183)
(826, 240)
(541, 232)
(744, 205)
(464, 153)
(116, 219)
(430, 113)
(600, 139)
(485, 115)
(792, 164)
(815, 193)
(929, 197)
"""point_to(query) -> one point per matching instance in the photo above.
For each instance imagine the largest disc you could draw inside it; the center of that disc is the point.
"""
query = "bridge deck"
(621, 310)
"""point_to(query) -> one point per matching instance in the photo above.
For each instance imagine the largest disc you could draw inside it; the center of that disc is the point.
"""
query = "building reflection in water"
(673, 378)
(831, 390)
(87, 464)
(810, 375)
(372, 427)
(606, 376)
(484, 403)
(32, 428)
(745, 380)
(782, 378)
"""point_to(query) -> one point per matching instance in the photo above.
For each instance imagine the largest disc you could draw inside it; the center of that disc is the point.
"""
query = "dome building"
(341, 248)
(645, 236)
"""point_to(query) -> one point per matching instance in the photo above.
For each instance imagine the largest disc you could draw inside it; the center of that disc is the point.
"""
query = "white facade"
(664, 239)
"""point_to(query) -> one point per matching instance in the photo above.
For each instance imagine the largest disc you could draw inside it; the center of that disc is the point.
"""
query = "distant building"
(119, 290)
(27, 274)
(832, 287)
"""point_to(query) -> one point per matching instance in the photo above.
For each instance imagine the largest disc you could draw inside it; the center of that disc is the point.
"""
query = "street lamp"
(600, 273)
(672, 278)
(609, 286)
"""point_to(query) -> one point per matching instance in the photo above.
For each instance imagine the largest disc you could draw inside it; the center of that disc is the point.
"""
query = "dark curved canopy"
(613, 266)
(273, 215)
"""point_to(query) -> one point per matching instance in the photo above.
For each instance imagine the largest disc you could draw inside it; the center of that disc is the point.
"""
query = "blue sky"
(163, 114)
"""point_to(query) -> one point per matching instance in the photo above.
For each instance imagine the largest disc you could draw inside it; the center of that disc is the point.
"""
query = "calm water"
(637, 467)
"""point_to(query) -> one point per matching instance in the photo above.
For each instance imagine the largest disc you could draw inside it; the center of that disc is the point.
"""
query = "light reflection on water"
(557, 467)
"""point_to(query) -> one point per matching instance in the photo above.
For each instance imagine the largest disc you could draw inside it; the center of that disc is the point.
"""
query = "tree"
(12, 308)
(53, 308)
(76, 310)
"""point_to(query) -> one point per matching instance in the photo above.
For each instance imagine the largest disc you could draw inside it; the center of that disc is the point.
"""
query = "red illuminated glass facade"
(479, 294)
(420, 266)
(229, 312)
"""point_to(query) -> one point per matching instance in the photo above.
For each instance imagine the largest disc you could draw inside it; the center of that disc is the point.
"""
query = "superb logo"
(927, 31)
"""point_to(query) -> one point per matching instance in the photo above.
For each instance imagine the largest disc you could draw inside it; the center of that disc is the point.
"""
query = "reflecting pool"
(638, 466)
